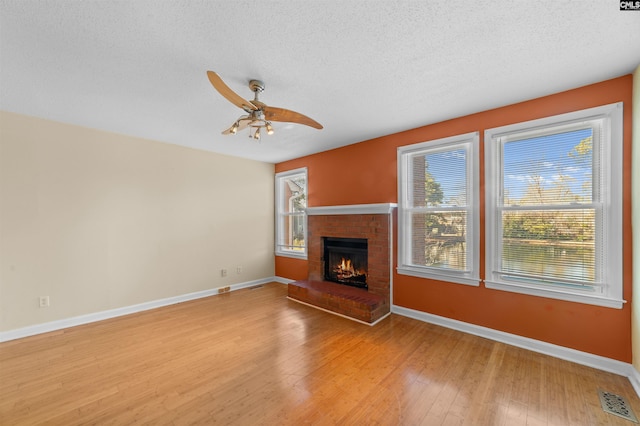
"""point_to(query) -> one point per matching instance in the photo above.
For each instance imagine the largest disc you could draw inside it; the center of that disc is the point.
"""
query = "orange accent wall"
(293, 269)
(372, 178)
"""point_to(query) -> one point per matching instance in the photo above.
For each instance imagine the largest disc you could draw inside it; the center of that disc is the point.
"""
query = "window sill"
(452, 278)
(557, 294)
(294, 255)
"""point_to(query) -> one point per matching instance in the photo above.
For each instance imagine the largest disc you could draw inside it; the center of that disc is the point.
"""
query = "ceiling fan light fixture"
(257, 112)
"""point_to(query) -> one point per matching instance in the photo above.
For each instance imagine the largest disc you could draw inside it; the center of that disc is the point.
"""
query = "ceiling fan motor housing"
(256, 85)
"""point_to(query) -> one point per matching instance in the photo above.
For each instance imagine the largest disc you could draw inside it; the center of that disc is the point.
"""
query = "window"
(291, 219)
(554, 207)
(438, 213)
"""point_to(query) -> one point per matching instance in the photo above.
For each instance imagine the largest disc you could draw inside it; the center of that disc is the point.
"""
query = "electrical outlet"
(239, 270)
(44, 301)
(223, 272)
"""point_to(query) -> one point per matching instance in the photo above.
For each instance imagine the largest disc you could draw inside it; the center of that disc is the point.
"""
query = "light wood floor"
(254, 357)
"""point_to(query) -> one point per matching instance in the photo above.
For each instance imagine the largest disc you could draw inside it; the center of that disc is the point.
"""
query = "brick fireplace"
(363, 222)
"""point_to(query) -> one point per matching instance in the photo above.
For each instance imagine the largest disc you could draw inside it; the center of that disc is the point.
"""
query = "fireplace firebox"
(345, 261)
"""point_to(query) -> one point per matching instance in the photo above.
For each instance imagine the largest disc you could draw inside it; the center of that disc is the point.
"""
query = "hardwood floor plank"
(254, 357)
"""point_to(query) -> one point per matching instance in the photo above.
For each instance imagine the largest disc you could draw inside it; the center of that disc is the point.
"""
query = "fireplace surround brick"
(367, 306)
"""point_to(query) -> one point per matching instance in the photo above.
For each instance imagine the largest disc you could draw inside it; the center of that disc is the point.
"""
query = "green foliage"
(433, 196)
(432, 190)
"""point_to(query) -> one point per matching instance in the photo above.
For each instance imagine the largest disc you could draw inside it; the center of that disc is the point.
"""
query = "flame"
(345, 269)
(345, 266)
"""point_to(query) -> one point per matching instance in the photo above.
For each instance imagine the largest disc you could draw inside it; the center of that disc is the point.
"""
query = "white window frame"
(609, 171)
(469, 142)
(280, 232)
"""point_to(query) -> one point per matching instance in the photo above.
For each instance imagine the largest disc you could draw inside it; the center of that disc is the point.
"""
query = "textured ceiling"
(361, 68)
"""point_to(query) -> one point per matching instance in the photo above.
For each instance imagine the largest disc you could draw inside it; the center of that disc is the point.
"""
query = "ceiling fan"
(259, 115)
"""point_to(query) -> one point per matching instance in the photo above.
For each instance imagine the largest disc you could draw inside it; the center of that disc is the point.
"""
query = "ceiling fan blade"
(281, 114)
(242, 124)
(229, 94)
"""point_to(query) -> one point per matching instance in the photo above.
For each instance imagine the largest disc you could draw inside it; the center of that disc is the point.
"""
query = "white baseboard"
(579, 357)
(634, 378)
(568, 354)
(117, 312)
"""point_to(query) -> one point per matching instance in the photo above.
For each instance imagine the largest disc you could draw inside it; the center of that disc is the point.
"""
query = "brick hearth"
(361, 304)
(350, 301)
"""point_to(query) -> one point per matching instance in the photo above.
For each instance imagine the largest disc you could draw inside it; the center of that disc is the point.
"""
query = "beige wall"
(98, 221)
(635, 219)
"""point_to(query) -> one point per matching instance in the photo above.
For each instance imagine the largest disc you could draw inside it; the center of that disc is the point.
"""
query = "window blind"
(550, 206)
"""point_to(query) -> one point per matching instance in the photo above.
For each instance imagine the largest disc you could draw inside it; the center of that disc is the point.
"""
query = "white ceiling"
(361, 68)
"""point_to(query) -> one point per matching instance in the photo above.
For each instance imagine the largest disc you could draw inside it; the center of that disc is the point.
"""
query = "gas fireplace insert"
(345, 261)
